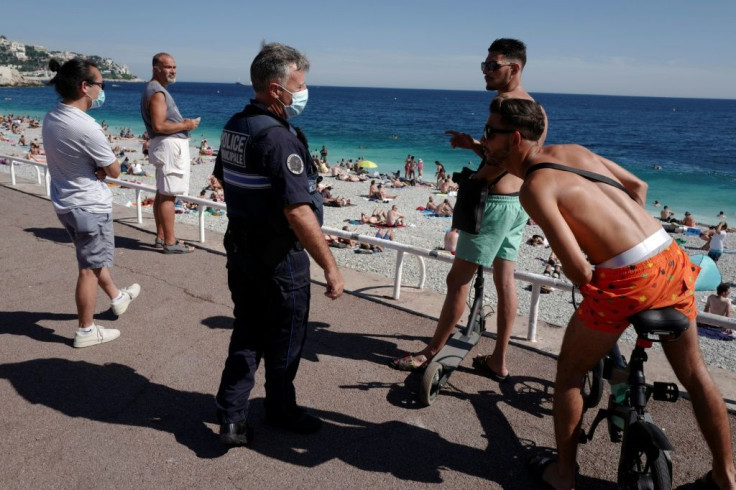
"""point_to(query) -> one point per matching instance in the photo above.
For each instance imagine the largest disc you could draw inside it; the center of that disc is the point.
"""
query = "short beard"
(171, 79)
(497, 158)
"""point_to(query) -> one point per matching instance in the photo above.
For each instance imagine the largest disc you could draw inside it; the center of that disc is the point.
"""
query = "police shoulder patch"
(295, 164)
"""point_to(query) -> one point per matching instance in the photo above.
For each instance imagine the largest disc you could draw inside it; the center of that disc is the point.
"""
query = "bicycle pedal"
(665, 392)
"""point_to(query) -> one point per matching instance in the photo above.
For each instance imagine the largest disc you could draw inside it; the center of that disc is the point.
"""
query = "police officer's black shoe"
(298, 421)
(236, 434)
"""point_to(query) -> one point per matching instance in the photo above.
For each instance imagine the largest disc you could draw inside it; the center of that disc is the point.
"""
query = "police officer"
(275, 214)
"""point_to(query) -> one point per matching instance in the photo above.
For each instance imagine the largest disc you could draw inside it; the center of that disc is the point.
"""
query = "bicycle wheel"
(639, 468)
(592, 390)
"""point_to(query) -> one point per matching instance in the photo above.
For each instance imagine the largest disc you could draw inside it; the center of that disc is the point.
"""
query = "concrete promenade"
(139, 412)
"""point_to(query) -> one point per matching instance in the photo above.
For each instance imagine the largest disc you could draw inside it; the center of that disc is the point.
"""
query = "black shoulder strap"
(497, 179)
(592, 176)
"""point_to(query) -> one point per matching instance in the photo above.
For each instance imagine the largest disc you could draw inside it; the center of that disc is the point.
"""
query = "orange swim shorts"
(667, 279)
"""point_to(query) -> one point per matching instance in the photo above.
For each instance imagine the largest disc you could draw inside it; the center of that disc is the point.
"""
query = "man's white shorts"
(170, 156)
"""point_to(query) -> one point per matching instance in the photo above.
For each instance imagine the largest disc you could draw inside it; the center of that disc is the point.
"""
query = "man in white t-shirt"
(79, 159)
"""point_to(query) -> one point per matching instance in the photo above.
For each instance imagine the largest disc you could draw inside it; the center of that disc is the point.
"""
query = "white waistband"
(650, 247)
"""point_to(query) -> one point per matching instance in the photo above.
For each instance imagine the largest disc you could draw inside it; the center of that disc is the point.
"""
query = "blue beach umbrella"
(709, 277)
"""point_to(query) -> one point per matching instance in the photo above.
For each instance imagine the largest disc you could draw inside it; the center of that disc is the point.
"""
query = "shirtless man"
(500, 234)
(666, 214)
(568, 208)
(688, 220)
(373, 189)
(393, 218)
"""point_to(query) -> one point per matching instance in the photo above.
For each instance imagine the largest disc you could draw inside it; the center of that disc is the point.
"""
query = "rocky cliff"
(10, 77)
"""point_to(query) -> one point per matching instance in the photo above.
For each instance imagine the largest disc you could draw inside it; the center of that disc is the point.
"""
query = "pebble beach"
(421, 231)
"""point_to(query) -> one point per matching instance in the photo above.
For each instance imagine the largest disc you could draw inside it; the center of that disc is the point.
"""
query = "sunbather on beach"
(688, 220)
(381, 193)
(666, 214)
(394, 218)
(583, 219)
(337, 202)
(444, 209)
(386, 235)
(352, 178)
(377, 217)
(398, 184)
(446, 186)
(347, 241)
(720, 303)
(371, 247)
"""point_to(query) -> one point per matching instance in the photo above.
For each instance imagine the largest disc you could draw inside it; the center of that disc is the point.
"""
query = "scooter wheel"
(431, 383)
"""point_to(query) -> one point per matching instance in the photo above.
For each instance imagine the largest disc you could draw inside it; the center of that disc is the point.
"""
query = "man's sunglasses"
(99, 84)
(489, 131)
(492, 65)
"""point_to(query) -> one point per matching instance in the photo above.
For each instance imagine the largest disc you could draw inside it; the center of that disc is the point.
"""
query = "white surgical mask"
(298, 102)
(99, 100)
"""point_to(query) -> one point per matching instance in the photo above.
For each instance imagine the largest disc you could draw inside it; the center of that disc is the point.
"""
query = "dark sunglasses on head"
(492, 65)
(99, 84)
(489, 131)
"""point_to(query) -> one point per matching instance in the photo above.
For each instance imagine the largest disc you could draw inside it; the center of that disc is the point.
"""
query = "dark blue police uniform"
(265, 165)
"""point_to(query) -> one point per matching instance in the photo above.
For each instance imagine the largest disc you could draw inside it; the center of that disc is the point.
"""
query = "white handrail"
(536, 280)
(202, 203)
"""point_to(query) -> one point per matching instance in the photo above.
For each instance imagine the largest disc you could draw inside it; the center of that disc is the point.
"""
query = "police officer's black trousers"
(271, 312)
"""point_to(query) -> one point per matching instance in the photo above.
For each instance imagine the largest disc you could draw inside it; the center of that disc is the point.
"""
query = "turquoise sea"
(684, 148)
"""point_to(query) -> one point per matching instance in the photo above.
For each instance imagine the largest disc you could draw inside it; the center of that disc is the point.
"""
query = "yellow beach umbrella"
(367, 164)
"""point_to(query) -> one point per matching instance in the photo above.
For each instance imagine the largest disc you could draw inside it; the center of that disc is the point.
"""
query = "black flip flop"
(480, 364)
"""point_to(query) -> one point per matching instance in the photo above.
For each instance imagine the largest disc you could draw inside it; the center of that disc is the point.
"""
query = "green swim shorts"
(500, 232)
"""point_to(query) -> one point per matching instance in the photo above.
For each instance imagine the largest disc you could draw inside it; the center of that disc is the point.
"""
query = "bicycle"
(644, 461)
(447, 360)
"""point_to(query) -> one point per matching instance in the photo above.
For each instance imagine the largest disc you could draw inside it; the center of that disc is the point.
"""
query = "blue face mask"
(99, 100)
(298, 102)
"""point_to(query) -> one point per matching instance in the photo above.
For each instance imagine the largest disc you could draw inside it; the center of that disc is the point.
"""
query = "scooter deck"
(456, 349)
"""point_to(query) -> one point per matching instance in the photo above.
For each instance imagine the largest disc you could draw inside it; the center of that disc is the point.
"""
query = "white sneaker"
(98, 335)
(129, 294)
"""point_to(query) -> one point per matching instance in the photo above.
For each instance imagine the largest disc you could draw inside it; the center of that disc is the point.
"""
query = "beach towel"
(716, 333)
(365, 251)
(355, 222)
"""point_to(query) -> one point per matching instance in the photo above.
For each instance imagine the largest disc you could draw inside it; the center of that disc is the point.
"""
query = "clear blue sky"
(672, 48)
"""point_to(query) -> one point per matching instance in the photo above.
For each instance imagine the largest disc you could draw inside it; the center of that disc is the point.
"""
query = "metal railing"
(536, 280)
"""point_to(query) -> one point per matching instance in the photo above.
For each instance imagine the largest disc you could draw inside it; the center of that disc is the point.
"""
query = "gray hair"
(274, 62)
